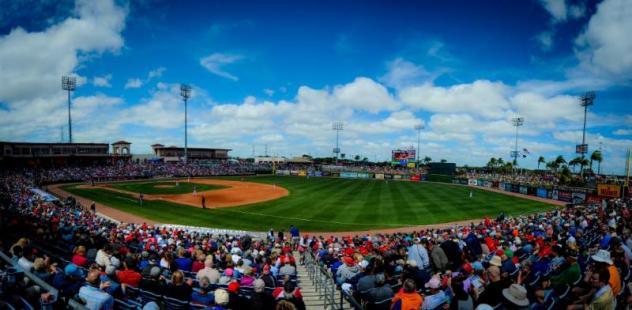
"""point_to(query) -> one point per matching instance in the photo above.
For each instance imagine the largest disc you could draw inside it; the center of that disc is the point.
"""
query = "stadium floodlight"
(69, 84)
(338, 127)
(585, 101)
(185, 92)
(418, 127)
(516, 122)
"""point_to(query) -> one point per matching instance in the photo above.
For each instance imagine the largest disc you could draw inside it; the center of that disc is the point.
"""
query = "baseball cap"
(73, 270)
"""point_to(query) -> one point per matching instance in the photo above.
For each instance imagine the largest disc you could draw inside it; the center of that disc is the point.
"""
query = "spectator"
(439, 259)
(209, 271)
(492, 295)
(407, 298)
(203, 294)
(129, 276)
(92, 293)
(178, 288)
(79, 257)
(381, 291)
(260, 299)
(155, 282)
(289, 292)
(419, 254)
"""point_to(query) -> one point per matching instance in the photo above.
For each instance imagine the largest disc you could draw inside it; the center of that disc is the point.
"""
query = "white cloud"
(365, 94)
(545, 39)
(537, 108)
(482, 97)
(155, 73)
(33, 63)
(214, 63)
(603, 48)
(561, 10)
(403, 73)
(623, 132)
(269, 92)
(102, 81)
(133, 83)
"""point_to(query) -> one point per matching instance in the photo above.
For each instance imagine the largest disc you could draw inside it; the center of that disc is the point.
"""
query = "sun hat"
(516, 294)
(496, 261)
(221, 297)
(602, 256)
(484, 307)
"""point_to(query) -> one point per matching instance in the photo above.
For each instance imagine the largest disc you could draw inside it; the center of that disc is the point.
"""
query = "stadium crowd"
(107, 265)
(140, 170)
(574, 258)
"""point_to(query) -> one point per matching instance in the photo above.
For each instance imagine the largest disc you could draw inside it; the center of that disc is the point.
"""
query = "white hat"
(221, 297)
(363, 264)
(517, 294)
(602, 256)
(496, 261)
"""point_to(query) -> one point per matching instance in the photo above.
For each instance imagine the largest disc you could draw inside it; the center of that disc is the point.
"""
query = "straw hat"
(496, 261)
(602, 256)
(516, 294)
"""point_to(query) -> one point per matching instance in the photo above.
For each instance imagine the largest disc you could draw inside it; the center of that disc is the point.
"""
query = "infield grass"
(323, 204)
(164, 187)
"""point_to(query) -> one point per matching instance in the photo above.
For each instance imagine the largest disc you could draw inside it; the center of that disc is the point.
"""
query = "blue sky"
(280, 72)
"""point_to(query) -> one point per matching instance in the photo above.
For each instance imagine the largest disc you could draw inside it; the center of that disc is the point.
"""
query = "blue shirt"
(206, 299)
(184, 263)
(95, 298)
(294, 232)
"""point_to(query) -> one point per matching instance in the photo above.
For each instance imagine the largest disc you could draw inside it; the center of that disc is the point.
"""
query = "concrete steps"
(310, 296)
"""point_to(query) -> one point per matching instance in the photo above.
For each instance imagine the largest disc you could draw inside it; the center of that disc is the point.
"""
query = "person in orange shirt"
(603, 257)
(407, 298)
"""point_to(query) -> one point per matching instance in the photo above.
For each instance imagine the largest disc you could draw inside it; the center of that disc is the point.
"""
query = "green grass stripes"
(323, 204)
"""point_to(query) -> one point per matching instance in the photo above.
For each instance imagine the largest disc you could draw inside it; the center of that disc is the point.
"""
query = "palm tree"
(492, 163)
(560, 160)
(427, 160)
(541, 161)
(575, 162)
(500, 161)
(596, 156)
(553, 166)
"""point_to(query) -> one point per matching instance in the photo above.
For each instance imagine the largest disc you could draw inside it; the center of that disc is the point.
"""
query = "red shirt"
(79, 260)
(197, 266)
(129, 277)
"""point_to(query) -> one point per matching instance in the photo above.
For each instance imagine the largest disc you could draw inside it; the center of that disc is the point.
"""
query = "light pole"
(586, 100)
(338, 127)
(69, 83)
(418, 127)
(185, 92)
(517, 122)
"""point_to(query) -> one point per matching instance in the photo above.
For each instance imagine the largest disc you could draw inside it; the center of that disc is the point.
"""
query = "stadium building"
(36, 154)
(174, 153)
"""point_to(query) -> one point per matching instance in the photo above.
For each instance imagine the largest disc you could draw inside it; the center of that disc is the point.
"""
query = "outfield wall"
(565, 194)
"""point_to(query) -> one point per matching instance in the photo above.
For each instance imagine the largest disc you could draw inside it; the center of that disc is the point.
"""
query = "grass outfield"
(168, 187)
(323, 204)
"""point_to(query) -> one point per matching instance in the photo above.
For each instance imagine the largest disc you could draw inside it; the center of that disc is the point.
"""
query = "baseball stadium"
(169, 173)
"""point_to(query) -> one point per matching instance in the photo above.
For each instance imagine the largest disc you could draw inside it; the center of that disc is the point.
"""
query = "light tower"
(69, 83)
(517, 122)
(185, 92)
(418, 127)
(586, 100)
(338, 127)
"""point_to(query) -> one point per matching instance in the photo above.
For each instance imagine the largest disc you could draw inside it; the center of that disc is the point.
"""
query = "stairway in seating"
(310, 296)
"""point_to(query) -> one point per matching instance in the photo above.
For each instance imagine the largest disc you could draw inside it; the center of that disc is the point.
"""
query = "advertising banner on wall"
(496, 184)
(318, 174)
(362, 175)
(379, 176)
(415, 177)
(487, 184)
(515, 188)
(397, 177)
(283, 172)
(554, 194)
(523, 190)
(471, 182)
(578, 197)
(294, 172)
(506, 187)
(302, 173)
(532, 191)
(565, 196)
(541, 192)
(388, 176)
(424, 177)
(609, 190)
(593, 199)
(348, 175)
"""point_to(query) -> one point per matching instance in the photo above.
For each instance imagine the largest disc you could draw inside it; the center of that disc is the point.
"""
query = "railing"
(323, 282)
(43, 285)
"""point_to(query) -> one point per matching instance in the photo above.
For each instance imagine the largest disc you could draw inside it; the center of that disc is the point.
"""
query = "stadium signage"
(609, 190)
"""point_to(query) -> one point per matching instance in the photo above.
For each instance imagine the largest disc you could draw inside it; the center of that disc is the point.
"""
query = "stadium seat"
(175, 304)
(147, 296)
(120, 304)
